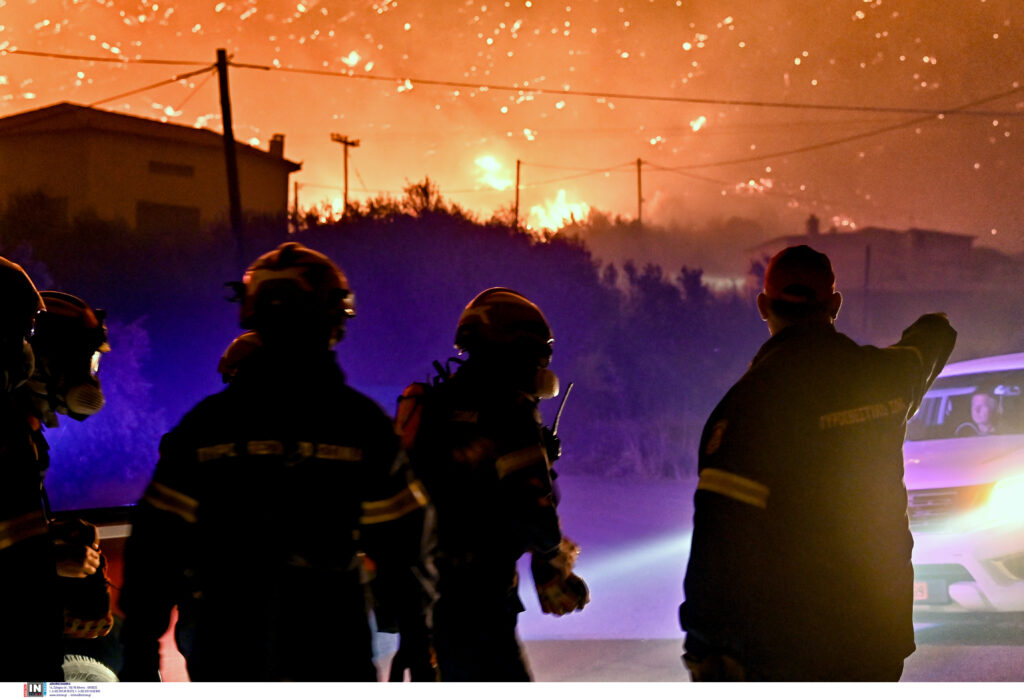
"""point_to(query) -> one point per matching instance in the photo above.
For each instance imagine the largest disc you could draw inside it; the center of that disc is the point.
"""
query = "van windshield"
(970, 406)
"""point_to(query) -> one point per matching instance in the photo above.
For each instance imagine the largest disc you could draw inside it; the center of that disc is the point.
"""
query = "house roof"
(66, 116)
(856, 237)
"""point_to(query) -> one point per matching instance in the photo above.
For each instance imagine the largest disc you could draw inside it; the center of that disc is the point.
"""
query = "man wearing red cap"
(799, 565)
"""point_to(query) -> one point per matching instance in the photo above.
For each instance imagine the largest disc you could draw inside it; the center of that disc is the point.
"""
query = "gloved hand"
(77, 548)
(552, 444)
(558, 589)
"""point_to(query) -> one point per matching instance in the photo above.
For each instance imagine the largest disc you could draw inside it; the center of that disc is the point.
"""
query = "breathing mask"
(70, 337)
(545, 384)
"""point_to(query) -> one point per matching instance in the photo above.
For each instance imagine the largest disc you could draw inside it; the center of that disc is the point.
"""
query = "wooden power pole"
(518, 165)
(639, 194)
(230, 157)
(346, 143)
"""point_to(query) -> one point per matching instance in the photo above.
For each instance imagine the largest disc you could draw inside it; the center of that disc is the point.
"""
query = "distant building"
(889, 277)
(902, 261)
(159, 178)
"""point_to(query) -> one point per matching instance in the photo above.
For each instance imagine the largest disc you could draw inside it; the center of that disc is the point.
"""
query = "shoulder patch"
(715, 439)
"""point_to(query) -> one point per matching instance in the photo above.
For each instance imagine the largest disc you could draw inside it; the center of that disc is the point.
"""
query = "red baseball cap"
(799, 274)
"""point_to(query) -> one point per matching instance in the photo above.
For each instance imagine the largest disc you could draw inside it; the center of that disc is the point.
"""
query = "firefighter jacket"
(475, 441)
(30, 608)
(265, 497)
(800, 558)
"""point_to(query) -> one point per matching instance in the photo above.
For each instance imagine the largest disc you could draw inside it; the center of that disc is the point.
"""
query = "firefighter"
(69, 339)
(31, 646)
(799, 565)
(476, 441)
(59, 337)
(263, 497)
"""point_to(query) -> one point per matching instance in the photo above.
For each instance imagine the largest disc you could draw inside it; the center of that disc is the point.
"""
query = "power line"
(146, 88)
(97, 59)
(577, 169)
(195, 90)
(626, 96)
(522, 89)
(848, 139)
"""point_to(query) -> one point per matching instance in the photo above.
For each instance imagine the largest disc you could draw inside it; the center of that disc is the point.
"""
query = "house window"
(165, 219)
(171, 168)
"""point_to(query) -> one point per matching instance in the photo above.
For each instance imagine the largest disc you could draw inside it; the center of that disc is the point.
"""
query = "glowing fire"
(698, 123)
(755, 186)
(552, 215)
(490, 173)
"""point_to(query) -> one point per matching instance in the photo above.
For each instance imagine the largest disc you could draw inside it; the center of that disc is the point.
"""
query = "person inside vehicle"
(984, 415)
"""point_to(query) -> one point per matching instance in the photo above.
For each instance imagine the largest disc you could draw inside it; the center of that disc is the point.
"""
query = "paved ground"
(634, 537)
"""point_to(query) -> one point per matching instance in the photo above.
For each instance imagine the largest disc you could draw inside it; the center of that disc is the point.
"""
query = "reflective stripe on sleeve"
(265, 448)
(408, 500)
(213, 452)
(22, 528)
(343, 453)
(166, 499)
(517, 460)
(734, 486)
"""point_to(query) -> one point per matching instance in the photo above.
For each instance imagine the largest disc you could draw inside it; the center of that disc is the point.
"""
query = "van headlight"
(1006, 503)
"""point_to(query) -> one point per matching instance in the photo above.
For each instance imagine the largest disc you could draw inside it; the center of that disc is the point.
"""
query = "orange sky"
(708, 159)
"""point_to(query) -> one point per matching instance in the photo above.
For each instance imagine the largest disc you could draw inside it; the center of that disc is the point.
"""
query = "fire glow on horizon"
(484, 62)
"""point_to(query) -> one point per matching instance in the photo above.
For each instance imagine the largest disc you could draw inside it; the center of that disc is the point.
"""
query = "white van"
(964, 471)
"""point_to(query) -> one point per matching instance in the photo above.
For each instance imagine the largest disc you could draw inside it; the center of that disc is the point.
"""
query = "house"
(888, 277)
(157, 177)
(902, 261)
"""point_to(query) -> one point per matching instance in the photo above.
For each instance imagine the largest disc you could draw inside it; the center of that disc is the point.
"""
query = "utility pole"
(346, 143)
(867, 290)
(639, 194)
(518, 165)
(230, 157)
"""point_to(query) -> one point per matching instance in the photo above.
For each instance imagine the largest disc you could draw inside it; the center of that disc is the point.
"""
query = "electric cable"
(847, 139)
(98, 59)
(626, 96)
(523, 89)
(195, 90)
(155, 85)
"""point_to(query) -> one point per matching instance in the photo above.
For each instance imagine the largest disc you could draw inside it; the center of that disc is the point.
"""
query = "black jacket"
(800, 558)
(476, 443)
(32, 611)
(262, 500)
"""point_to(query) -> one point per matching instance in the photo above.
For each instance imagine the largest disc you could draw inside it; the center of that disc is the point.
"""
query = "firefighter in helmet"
(31, 645)
(264, 496)
(48, 343)
(476, 441)
(69, 339)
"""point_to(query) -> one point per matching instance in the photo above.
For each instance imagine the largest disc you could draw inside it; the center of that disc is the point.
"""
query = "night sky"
(705, 156)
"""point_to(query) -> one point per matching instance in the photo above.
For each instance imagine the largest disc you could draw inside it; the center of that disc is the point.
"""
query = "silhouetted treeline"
(649, 351)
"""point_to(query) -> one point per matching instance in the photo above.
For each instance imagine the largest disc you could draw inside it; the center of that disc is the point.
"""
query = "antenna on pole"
(518, 165)
(639, 193)
(346, 143)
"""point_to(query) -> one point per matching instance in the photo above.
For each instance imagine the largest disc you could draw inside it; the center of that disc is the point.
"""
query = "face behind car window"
(970, 406)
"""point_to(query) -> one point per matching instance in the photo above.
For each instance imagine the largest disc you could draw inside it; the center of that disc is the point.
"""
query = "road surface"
(635, 537)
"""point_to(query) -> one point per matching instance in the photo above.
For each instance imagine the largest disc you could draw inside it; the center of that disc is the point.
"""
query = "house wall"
(112, 172)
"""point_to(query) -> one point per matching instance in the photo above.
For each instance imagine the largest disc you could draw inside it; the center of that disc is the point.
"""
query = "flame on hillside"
(552, 215)
(489, 172)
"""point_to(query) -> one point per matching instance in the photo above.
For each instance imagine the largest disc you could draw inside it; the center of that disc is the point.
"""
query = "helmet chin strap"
(43, 401)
